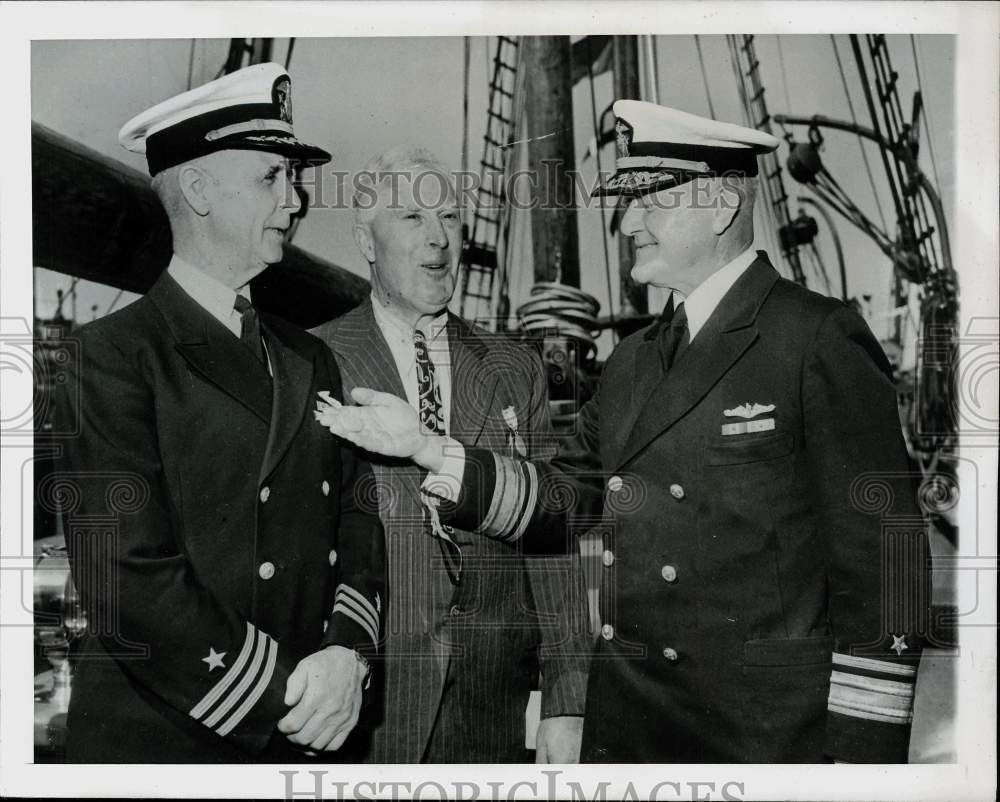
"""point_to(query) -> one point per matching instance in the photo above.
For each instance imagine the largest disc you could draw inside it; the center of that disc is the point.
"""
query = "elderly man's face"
(414, 241)
(253, 200)
(672, 232)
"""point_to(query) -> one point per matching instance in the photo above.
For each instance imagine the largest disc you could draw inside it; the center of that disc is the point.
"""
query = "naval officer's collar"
(208, 292)
(707, 296)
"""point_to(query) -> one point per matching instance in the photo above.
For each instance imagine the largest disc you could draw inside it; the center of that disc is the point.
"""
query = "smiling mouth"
(436, 267)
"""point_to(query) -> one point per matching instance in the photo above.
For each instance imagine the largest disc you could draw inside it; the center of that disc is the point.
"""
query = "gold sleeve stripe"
(498, 500)
(342, 608)
(872, 715)
(509, 493)
(262, 682)
(532, 499)
(351, 597)
(870, 698)
(887, 686)
(259, 650)
(885, 666)
(515, 500)
(235, 670)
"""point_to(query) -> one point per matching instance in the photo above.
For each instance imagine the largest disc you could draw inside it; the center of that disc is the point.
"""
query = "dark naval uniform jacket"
(213, 532)
(460, 660)
(763, 590)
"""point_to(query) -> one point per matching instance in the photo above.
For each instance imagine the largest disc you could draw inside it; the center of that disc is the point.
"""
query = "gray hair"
(379, 168)
(165, 186)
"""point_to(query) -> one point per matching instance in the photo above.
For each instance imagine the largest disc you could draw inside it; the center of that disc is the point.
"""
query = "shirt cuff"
(446, 484)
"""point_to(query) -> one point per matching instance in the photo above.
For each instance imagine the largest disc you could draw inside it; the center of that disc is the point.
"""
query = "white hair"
(382, 166)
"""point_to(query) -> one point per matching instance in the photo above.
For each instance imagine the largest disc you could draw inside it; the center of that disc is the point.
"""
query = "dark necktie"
(672, 337)
(250, 328)
(432, 418)
(428, 392)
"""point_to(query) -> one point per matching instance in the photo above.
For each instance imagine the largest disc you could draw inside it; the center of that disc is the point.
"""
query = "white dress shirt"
(209, 293)
(214, 297)
(399, 335)
(707, 296)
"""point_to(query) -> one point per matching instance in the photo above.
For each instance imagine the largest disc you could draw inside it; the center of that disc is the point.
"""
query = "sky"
(357, 96)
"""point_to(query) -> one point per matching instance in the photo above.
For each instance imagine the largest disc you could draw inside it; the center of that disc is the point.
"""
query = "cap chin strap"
(249, 125)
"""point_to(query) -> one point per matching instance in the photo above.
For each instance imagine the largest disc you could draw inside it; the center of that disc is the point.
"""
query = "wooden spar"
(625, 61)
(551, 157)
(98, 219)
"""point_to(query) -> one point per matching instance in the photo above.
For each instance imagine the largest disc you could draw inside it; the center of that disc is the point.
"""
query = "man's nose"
(290, 195)
(632, 219)
(436, 235)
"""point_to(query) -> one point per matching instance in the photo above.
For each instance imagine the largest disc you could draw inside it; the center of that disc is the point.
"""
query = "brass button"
(266, 570)
(333, 556)
(671, 654)
(607, 632)
(265, 494)
(669, 573)
(325, 487)
(615, 484)
(608, 558)
(677, 492)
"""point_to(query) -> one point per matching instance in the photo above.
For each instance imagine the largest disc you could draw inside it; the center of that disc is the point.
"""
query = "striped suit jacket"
(461, 660)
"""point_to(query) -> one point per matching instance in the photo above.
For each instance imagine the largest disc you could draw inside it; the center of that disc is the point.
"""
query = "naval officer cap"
(660, 147)
(250, 109)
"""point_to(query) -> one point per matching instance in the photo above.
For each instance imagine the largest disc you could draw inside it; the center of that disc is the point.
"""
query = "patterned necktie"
(432, 418)
(428, 392)
(672, 337)
(250, 328)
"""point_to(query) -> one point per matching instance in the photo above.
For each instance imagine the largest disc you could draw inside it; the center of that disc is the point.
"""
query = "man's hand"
(383, 424)
(558, 739)
(325, 689)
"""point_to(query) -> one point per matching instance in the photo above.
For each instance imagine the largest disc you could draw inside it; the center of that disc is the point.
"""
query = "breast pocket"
(749, 448)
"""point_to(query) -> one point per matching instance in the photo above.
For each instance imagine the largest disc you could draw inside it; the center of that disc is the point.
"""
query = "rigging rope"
(704, 77)
(113, 302)
(861, 144)
(784, 76)
(600, 207)
(191, 63)
(923, 112)
(766, 210)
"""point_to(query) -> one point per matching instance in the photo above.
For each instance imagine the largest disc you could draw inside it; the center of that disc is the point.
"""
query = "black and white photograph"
(560, 401)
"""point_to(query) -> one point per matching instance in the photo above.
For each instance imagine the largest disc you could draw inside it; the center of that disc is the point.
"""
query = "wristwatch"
(368, 668)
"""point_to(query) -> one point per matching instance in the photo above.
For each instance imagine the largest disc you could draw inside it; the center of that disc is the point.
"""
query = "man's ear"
(195, 184)
(728, 202)
(363, 239)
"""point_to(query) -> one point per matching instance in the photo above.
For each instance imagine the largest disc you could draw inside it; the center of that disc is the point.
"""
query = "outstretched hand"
(382, 423)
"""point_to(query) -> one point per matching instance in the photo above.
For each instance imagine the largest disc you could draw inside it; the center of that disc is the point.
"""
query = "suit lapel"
(359, 343)
(211, 349)
(364, 354)
(727, 334)
(473, 385)
(293, 381)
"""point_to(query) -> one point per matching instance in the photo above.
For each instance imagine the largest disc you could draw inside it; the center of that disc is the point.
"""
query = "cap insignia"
(281, 94)
(623, 138)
